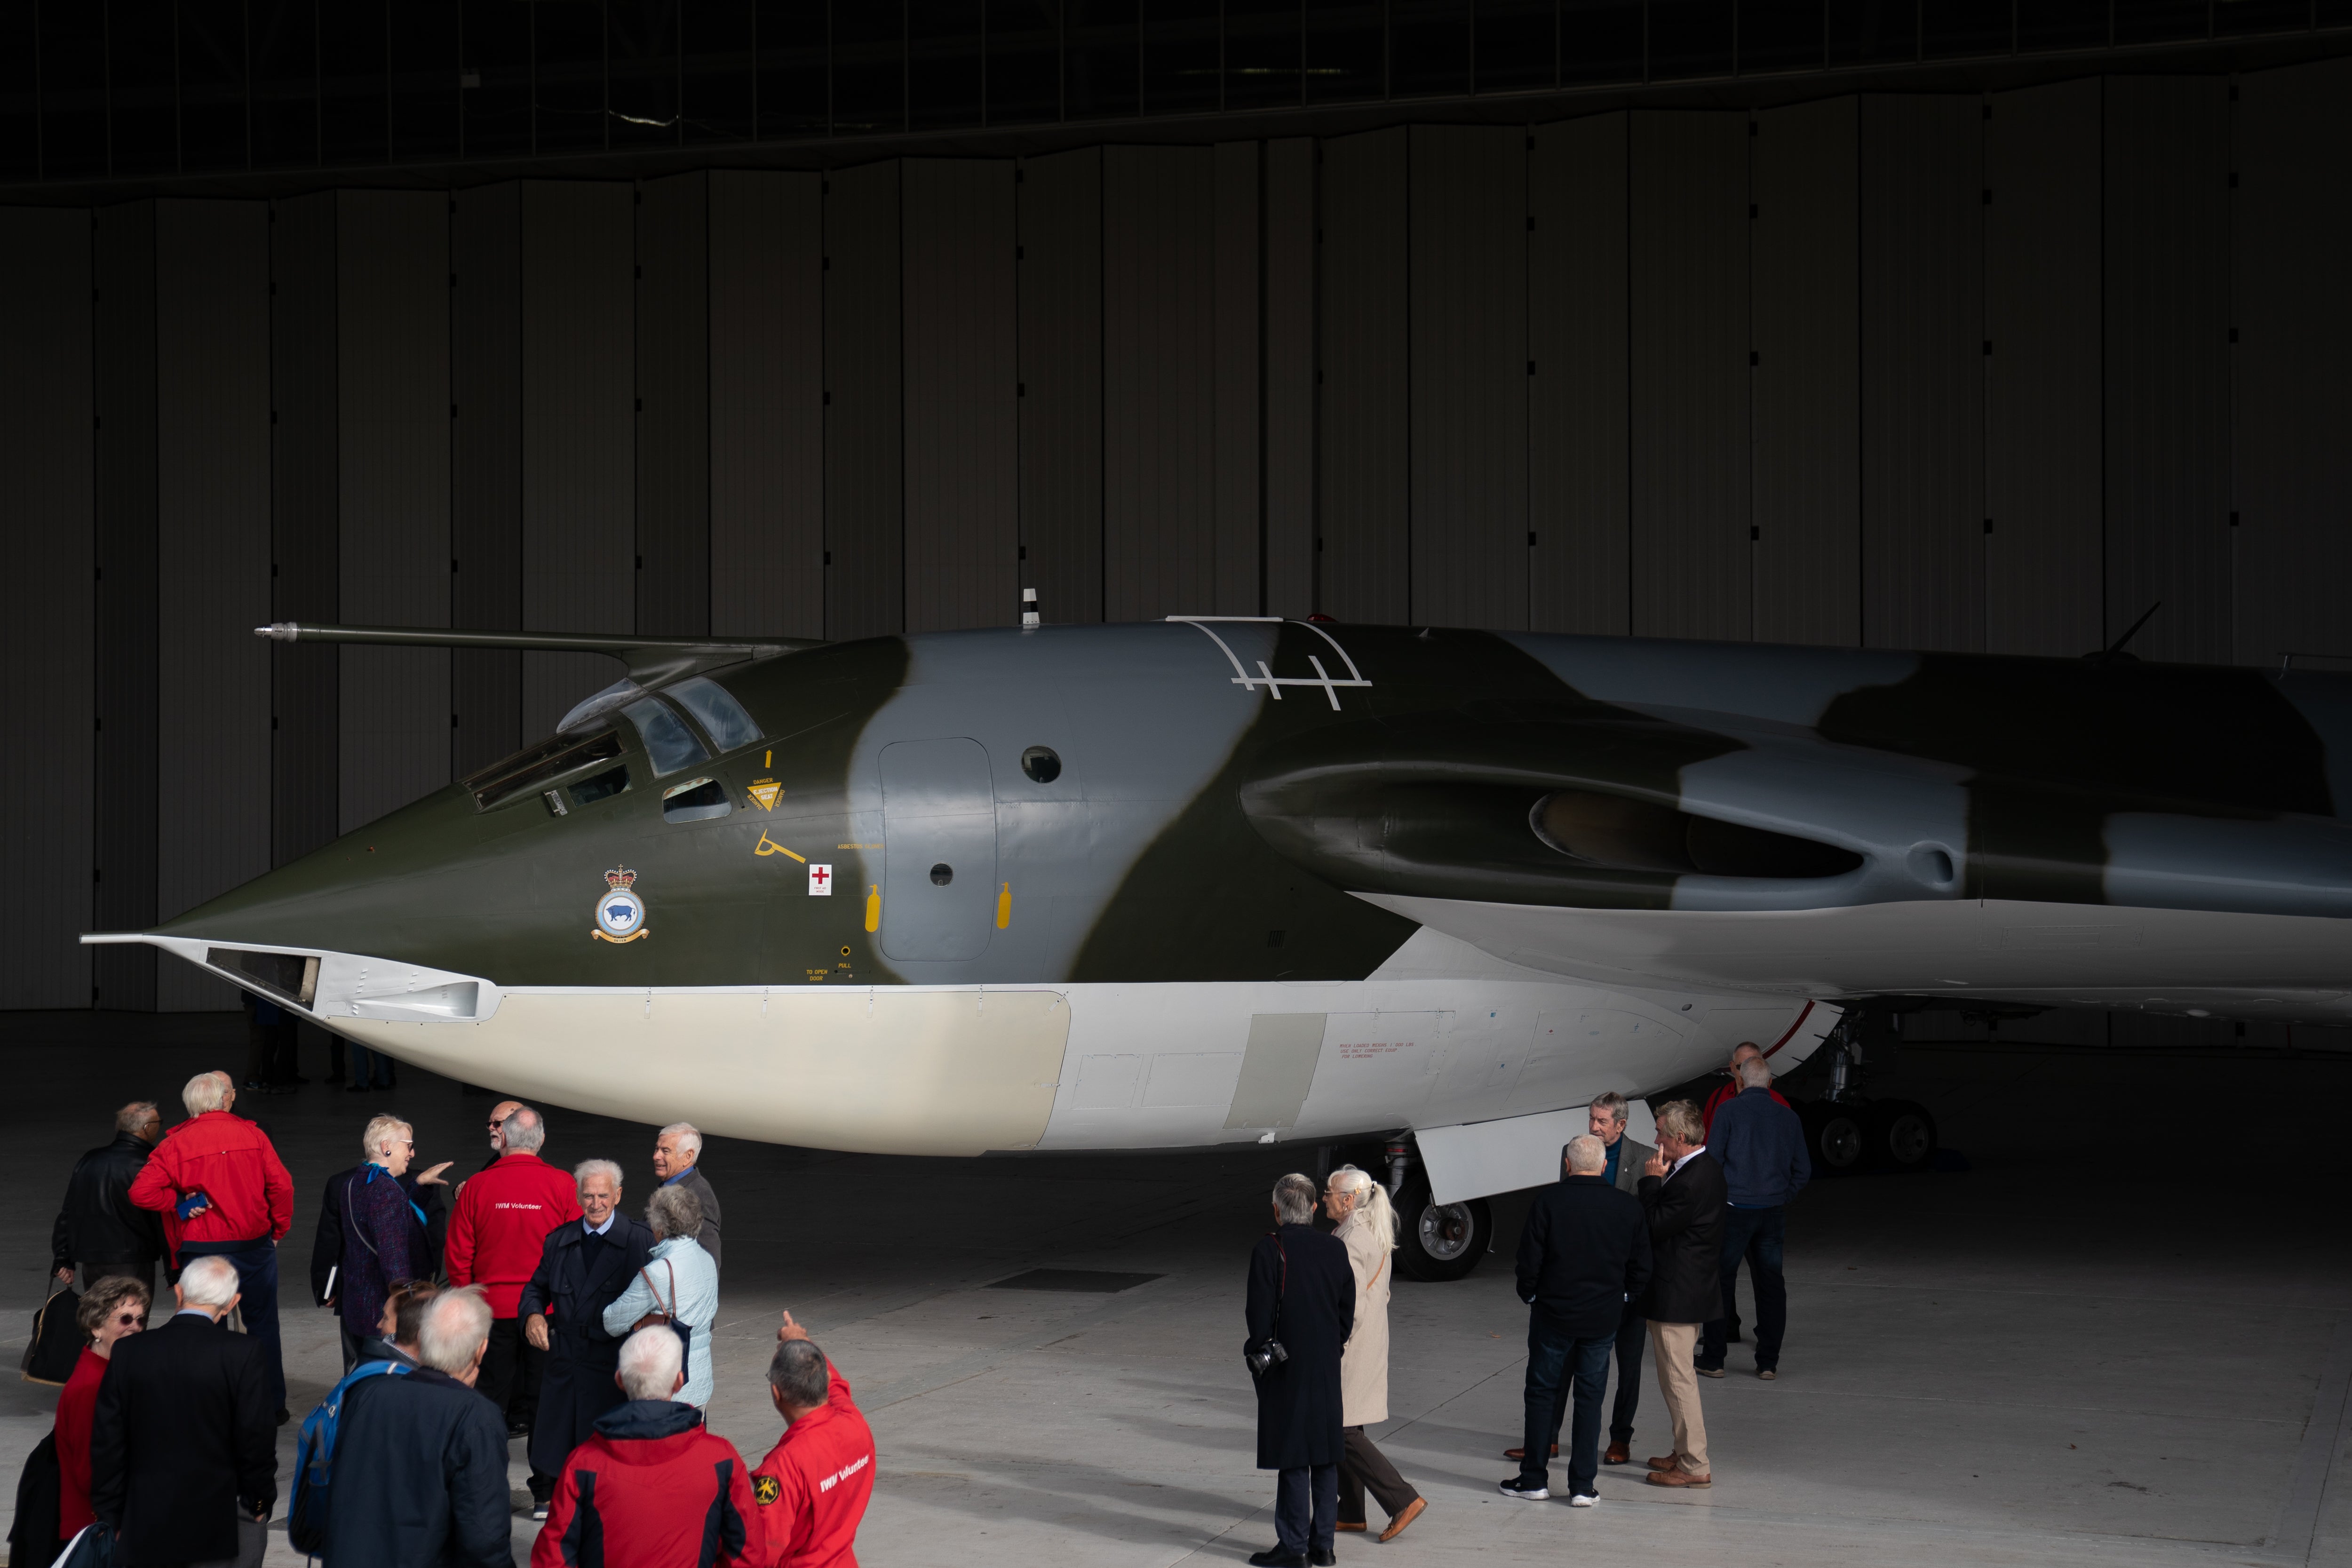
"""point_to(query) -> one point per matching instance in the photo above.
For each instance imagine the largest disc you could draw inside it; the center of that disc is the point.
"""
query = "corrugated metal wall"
(1958, 372)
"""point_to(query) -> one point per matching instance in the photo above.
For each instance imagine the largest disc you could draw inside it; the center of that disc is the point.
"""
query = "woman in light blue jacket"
(678, 1279)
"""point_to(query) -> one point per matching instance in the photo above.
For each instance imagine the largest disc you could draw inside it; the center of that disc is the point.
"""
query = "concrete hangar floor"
(2123, 1336)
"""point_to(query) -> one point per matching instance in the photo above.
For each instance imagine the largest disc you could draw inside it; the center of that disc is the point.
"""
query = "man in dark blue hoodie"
(1761, 1144)
(1585, 1253)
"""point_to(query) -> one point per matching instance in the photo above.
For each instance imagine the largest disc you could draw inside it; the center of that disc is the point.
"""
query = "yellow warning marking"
(768, 846)
(765, 792)
(769, 759)
(1004, 906)
(873, 907)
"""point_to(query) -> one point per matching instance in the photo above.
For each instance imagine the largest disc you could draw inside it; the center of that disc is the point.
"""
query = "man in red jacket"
(223, 1193)
(1746, 1050)
(811, 1489)
(495, 1241)
(653, 1488)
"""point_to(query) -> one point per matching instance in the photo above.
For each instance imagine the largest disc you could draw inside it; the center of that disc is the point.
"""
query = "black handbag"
(55, 1348)
(33, 1536)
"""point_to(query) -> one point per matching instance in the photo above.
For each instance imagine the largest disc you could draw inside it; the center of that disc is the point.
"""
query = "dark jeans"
(372, 1068)
(257, 1283)
(1756, 1235)
(510, 1371)
(1306, 1508)
(1363, 1466)
(1555, 1357)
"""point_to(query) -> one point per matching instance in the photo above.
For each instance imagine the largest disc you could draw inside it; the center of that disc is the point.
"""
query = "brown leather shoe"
(1679, 1478)
(1665, 1462)
(1617, 1453)
(1412, 1511)
(1349, 1524)
(1522, 1453)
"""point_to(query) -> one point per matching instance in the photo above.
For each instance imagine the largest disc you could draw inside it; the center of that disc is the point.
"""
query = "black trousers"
(1363, 1466)
(1305, 1503)
(511, 1368)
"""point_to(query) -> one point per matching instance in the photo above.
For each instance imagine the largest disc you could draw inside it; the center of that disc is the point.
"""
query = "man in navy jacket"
(1761, 1144)
(1585, 1253)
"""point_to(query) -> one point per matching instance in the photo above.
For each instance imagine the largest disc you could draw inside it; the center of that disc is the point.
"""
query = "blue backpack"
(314, 1466)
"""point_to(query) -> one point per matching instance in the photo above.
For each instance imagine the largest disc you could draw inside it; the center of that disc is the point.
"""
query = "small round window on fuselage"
(1040, 764)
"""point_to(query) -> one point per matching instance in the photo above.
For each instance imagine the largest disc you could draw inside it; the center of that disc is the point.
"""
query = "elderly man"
(498, 1114)
(584, 1267)
(223, 1193)
(1302, 1298)
(1759, 1143)
(504, 1217)
(1743, 1053)
(1682, 1194)
(677, 1161)
(1583, 1255)
(420, 1461)
(99, 1228)
(651, 1485)
(812, 1487)
(182, 1445)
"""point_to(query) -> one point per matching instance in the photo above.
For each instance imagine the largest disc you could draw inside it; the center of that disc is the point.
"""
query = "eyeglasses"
(128, 1318)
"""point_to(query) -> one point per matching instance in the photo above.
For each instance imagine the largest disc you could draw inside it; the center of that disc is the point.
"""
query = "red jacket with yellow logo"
(810, 1492)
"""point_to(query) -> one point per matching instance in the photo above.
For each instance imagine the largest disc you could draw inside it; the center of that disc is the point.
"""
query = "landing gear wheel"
(1439, 1241)
(1837, 1137)
(1902, 1135)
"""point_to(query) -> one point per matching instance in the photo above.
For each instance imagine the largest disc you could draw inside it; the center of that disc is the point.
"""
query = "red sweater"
(500, 1227)
(1715, 1101)
(811, 1489)
(653, 1488)
(233, 1162)
(77, 1403)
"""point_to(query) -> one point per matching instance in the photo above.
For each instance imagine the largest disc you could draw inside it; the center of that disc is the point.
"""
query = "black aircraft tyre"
(1902, 1135)
(1837, 1138)
(1439, 1241)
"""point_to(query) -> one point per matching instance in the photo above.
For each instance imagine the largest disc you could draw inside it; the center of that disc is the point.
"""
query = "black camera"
(1266, 1356)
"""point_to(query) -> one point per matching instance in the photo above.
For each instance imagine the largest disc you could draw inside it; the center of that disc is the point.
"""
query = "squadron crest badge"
(765, 1490)
(620, 913)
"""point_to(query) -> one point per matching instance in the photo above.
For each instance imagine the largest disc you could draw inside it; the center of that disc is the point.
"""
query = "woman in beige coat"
(1366, 1227)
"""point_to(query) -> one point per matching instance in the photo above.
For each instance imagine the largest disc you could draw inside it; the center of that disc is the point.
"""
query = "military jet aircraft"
(1227, 880)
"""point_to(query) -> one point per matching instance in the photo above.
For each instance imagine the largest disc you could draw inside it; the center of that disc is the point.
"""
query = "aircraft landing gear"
(1435, 1241)
(1847, 1132)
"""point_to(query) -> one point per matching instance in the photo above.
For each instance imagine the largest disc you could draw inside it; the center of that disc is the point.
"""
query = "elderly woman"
(679, 1280)
(1366, 1227)
(115, 1306)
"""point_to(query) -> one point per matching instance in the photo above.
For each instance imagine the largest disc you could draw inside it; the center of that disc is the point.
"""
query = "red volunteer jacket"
(233, 1162)
(811, 1489)
(1724, 1091)
(501, 1225)
(653, 1488)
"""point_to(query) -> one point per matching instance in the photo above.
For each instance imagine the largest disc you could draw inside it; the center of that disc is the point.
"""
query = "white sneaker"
(1524, 1493)
(1582, 1500)
(539, 1510)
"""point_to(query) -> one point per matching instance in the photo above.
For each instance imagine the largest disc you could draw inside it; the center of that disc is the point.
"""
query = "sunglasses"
(130, 1318)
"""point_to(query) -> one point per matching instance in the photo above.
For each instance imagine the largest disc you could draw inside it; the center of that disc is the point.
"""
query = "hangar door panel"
(939, 849)
(1578, 1054)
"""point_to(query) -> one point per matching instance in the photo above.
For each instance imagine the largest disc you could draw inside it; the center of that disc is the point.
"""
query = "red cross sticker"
(820, 881)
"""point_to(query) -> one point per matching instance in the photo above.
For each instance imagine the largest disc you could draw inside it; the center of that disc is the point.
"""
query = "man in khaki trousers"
(1682, 1190)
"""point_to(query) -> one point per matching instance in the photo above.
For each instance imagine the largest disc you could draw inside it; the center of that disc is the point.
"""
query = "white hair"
(587, 1168)
(379, 1128)
(524, 1132)
(207, 1091)
(1754, 1074)
(689, 1136)
(1587, 1154)
(650, 1362)
(1293, 1199)
(209, 1281)
(457, 1326)
(1373, 1206)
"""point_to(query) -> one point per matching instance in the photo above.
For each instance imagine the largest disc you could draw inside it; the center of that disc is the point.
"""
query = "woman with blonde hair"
(1366, 1227)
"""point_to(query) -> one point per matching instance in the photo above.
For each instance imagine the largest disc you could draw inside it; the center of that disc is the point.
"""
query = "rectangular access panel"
(939, 836)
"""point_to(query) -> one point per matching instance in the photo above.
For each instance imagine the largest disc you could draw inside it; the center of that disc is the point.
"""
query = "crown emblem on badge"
(620, 877)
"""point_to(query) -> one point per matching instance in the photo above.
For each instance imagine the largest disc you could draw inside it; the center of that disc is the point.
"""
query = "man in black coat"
(99, 1228)
(1683, 1192)
(1584, 1253)
(183, 1443)
(1302, 1296)
(584, 1267)
(421, 1460)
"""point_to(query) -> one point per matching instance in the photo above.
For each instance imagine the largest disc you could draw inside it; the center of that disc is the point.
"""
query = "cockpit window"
(722, 718)
(532, 769)
(696, 800)
(669, 742)
(600, 787)
(588, 711)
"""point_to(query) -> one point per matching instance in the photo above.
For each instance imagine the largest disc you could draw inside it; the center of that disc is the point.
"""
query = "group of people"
(527, 1305)
(1633, 1248)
